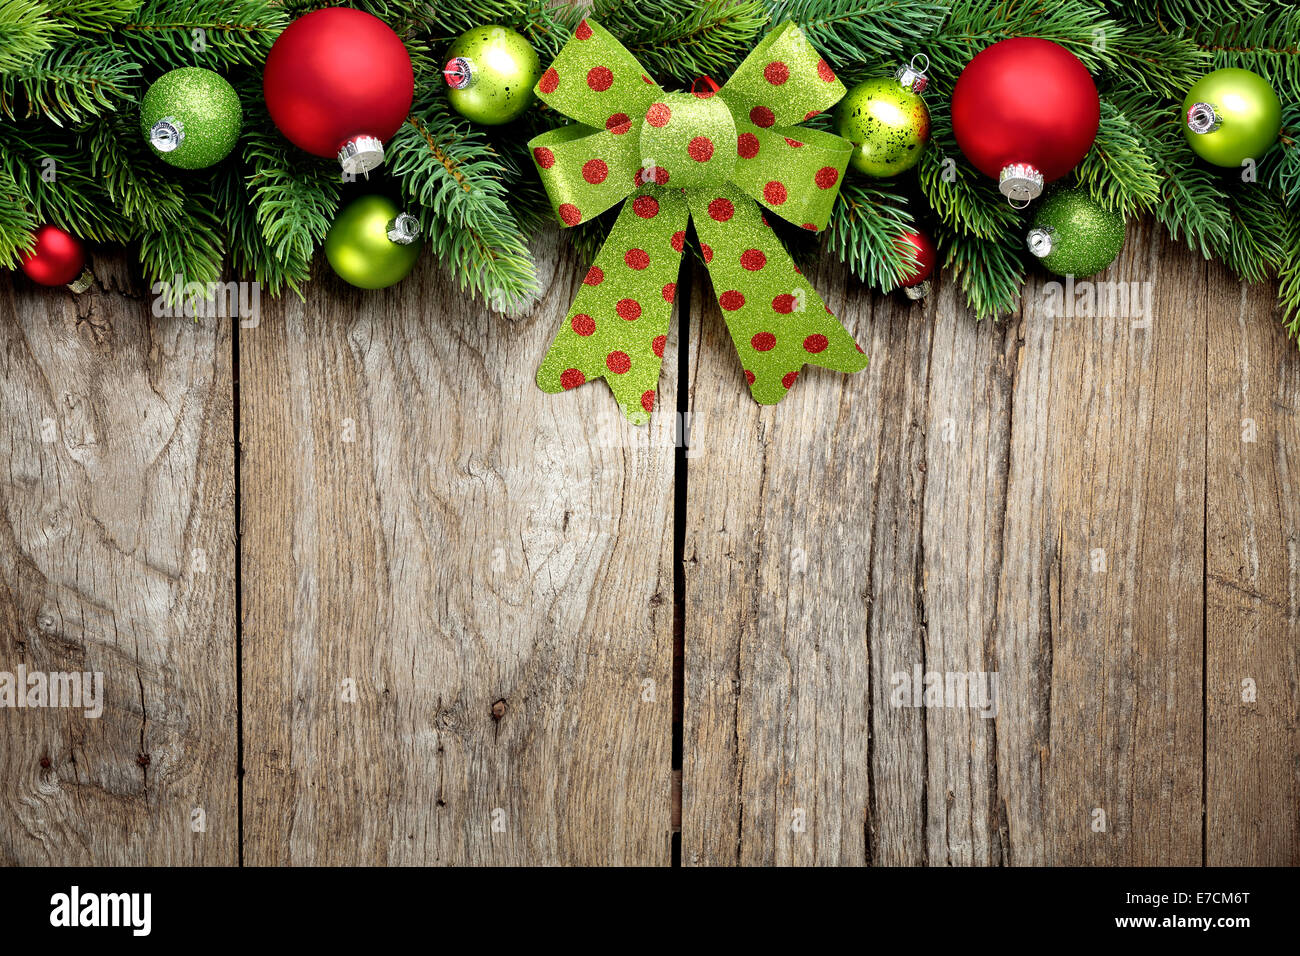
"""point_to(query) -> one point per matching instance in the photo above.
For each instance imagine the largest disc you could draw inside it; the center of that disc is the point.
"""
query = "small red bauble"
(927, 256)
(338, 82)
(58, 258)
(1025, 111)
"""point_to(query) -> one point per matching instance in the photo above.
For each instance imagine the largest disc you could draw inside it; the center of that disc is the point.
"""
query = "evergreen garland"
(72, 73)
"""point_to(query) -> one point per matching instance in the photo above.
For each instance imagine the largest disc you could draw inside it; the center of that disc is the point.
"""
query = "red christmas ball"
(1025, 111)
(338, 82)
(58, 258)
(922, 247)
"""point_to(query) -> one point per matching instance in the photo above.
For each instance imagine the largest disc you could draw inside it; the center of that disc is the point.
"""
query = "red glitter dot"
(774, 193)
(788, 378)
(648, 400)
(700, 149)
(679, 240)
(544, 157)
(753, 259)
(595, 171)
(815, 343)
(571, 378)
(547, 84)
(657, 346)
(793, 143)
(583, 324)
(763, 341)
(747, 145)
(721, 210)
(595, 276)
(749, 376)
(618, 362)
(784, 303)
(600, 78)
(660, 177)
(670, 291)
(629, 309)
(618, 123)
(647, 207)
(583, 32)
(707, 251)
(810, 114)
(731, 300)
(637, 259)
(827, 177)
(658, 115)
(810, 226)
(825, 72)
(570, 215)
(762, 116)
(776, 73)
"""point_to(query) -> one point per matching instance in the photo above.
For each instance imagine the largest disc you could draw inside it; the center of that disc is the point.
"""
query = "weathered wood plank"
(1252, 580)
(117, 556)
(491, 569)
(1101, 600)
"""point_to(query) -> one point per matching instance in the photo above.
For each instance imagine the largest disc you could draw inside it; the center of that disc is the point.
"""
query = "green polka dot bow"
(710, 156)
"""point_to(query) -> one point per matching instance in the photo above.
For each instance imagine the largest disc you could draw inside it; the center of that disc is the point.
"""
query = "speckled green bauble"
(373, 244)
(1073, 235)
(491, 72)
(191, 117)
(1231, 116)
(887, 122)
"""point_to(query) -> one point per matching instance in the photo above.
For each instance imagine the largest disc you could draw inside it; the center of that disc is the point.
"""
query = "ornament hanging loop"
(1020, 183)
(1203, 118)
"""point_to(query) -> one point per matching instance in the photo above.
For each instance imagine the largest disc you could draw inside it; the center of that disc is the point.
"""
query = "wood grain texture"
(489, 566)
(1252, 581)
(117, 556)
(1026, 498)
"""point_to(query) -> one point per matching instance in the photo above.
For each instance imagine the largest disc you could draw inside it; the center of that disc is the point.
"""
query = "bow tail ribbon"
(617, 327)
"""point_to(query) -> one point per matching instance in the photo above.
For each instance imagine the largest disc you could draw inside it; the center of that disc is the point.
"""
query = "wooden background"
(362, 594)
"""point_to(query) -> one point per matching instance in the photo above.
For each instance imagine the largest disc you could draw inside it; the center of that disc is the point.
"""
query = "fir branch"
(1267, 44)
(16, 223)
(868, 219)
(142, 188)
(459, 182)
(991, 273)
(185, 255)
(1288, 273)
(1280, 167)
(1254, 246)
(849, 33)
(1118, 171)
(92, 14)
(250, 253)
(679, 40)
(211, 33)
(26, 31)
(965, 200)
(70, 84)
(53, 177)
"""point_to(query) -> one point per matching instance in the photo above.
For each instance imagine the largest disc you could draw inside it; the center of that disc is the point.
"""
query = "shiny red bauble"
(338, 82)
(920, 245)
(1025, 110)
(57, 259)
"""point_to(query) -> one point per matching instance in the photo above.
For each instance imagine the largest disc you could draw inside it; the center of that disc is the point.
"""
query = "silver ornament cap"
(1041, 240)
(404, 229)
(167, 134)
(459, 72)
(1203, 118)
(912, 77)
(361, 154)
(1020, 183)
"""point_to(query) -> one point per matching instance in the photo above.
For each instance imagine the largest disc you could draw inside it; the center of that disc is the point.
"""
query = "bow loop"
(595, 80)
(784, 81)
(585, 171)
(796, 173)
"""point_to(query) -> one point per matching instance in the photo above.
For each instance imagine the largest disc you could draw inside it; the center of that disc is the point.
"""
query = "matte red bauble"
(919, 244)
(338, 82)
(58, 258)
(1025, 111)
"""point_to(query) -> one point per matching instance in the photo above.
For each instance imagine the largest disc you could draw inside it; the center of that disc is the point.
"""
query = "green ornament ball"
(191, 117)
(888, 125)
(373, 244)
(1231, 116)
(491, 72)
(1074, 235)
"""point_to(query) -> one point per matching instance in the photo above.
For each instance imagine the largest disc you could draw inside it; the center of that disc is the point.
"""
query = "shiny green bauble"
(359, 248)
(191, 117)
(491, 72)
(1074, 235)
(1240, 111)
(887, 124)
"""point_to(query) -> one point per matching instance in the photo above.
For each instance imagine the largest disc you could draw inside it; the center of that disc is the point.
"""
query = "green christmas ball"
(191, 117)
(1074, 235)
(1231, 116)
(887, 123)
(373, 244)
(491, 72)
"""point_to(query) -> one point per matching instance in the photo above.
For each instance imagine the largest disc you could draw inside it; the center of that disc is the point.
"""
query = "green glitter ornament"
(191, 117)
(1073, 235)
(887, 121)
(1231, 116)
(491, 72)
(373, 244)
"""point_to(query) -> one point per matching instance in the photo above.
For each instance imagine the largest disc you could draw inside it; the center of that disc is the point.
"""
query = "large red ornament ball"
(338, 82)
(922, 247)
(1025, 111)
(57, 259)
